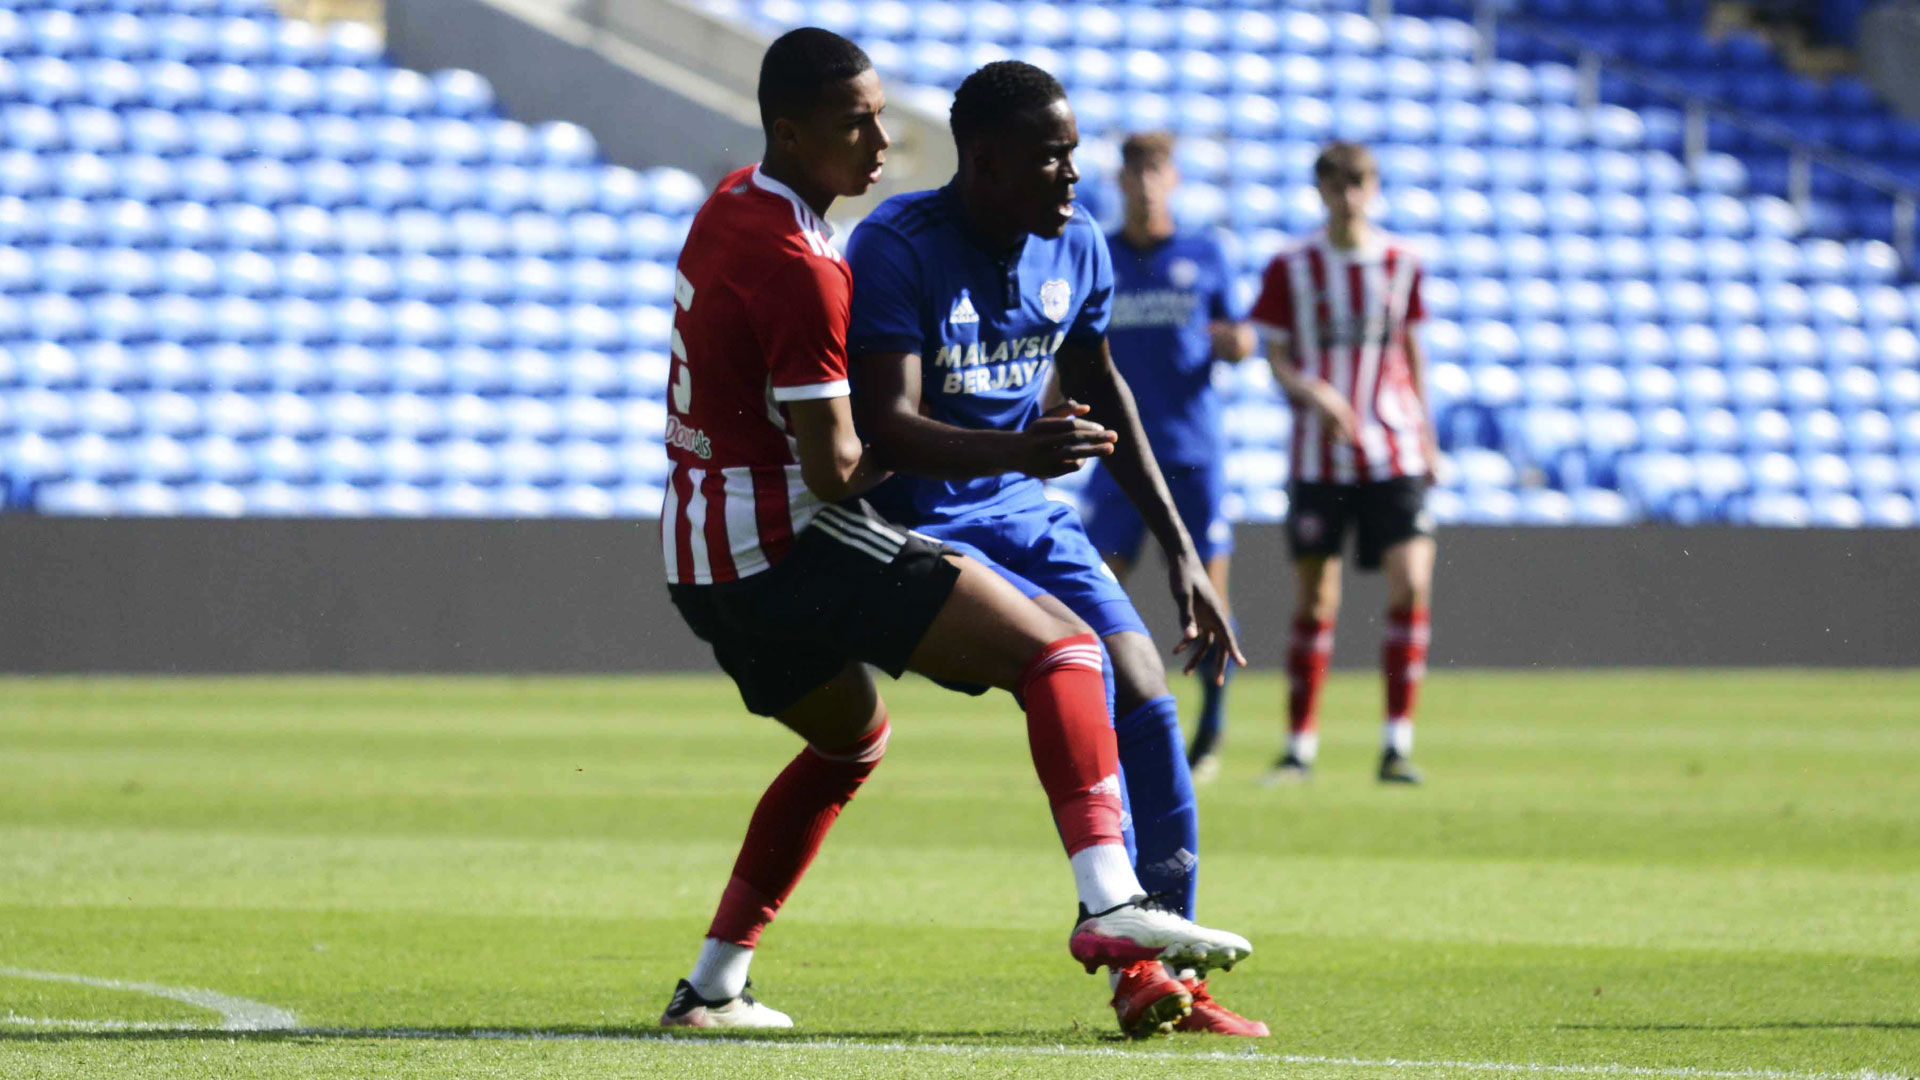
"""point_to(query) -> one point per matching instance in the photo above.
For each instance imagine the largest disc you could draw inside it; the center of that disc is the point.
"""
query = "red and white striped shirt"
(760, 319)
(1348, 314)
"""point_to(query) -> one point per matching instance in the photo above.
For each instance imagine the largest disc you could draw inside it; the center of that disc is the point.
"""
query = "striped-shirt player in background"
(773, 559)
(1338, 310)
(1173, 313)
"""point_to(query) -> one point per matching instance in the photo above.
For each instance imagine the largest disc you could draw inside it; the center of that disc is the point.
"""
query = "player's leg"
(1111, 522)
(1198, 492)
(1396, 533)
(1166, 824)
(845, 727)
(1051, 550)
(989, 632)
(1316, 529)
(1403, 655)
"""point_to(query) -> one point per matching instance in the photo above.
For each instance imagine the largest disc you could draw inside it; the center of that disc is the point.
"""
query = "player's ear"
(981, 156)
(784, 134)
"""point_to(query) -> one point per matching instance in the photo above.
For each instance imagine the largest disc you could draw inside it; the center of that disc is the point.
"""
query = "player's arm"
(1232, 341)
(887, 338)
(1273, 313)
(1229, 328)
(801, 324)
(1305, 391)
(887, 397)
(1417, 371)
(1088, 378)
(833, 461)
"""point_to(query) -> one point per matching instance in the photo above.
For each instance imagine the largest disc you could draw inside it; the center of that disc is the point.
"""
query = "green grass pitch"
(1633, 874)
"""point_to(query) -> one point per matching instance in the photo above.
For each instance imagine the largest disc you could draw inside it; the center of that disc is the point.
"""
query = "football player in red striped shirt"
(1339, 309)
(775, 561)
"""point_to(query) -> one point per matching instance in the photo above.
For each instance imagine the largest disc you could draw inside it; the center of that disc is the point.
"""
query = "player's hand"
(1061, 441)
(1335, 410)
(1437, 466)
(1204, 629)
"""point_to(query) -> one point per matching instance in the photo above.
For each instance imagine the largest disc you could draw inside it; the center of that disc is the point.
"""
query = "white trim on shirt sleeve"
(812, 391)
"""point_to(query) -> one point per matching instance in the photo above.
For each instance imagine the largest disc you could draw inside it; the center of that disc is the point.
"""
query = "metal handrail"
(1802, 154)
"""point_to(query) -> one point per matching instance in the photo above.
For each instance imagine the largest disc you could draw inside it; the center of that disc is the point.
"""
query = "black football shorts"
(853, 587)
(1382, 512)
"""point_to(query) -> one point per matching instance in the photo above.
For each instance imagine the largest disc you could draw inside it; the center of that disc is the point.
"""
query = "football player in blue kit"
(1173, 313)
(967, 302)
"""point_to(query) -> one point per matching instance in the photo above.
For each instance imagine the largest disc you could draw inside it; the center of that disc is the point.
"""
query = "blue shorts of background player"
(1116, 528)
(1043, 550)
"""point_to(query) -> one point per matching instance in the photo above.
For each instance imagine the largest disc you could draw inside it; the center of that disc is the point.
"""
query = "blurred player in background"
(1338, 310)
(967, 302)
(774, 561)
(1173, 312)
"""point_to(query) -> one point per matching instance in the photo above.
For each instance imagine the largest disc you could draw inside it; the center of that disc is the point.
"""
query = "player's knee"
(1138, 674)
(862, 754)
(1319, 605)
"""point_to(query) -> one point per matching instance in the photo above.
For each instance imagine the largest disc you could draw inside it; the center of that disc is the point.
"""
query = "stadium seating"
(1739, 71)
(248, 268)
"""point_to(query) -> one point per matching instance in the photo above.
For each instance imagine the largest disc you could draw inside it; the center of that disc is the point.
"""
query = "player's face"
(1149, 189)
(1349, 197)
(1029, 168)
(842, 144)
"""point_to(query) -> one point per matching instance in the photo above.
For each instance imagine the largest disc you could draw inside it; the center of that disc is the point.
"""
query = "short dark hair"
(1146, 149)
(798, 65)
(1345, 161)
(997, 93)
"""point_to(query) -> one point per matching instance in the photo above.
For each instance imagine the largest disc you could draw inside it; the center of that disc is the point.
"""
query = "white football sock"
(720, 974)
(1104, 877)
(1304, 746)
(1397, 736)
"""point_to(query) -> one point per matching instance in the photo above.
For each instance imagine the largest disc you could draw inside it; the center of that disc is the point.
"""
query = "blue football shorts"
(1115, 526)
(1044, 549)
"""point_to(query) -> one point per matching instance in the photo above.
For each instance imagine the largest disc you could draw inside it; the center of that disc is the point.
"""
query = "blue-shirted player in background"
(1173, 312)
(967, 302)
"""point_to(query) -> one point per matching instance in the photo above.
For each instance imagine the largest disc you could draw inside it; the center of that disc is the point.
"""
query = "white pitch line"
(239, 1014)
(236, 1014)
(1231, 1057)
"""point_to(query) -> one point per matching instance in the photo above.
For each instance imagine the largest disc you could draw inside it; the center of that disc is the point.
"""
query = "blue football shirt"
(985, 324)
(1164, 299)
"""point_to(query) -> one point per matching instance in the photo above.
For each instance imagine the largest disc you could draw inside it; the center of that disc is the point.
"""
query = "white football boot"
(689, 1009)
(1138, 930)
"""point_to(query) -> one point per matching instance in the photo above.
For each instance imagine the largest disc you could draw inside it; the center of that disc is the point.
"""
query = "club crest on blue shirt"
(1055, 298)
(1183, 273)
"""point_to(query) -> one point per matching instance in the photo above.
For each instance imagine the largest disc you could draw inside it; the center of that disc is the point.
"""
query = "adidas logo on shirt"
(963, 311)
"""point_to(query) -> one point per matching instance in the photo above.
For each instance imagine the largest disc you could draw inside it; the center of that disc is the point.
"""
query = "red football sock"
(1404, 658)
(1309, 655)
(1071, 738)
(787, 827)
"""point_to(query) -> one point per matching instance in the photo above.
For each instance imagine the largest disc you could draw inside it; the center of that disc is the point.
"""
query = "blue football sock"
(1213, 704)
(1166, 822)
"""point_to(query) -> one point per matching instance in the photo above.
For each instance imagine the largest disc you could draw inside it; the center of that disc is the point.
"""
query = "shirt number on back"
(682, 375)
(683, 371)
